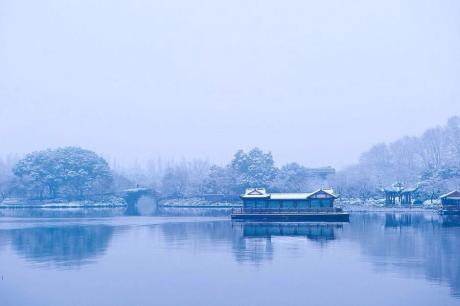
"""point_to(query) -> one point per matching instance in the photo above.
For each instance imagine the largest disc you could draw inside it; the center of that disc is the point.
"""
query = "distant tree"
(121, 182)
(431, 147)
(376, 164)
(253, 169)
(71, 172)
(291, 177)
(7, 178)
(453, 140)
(434, 182)
(174, 182)
(221, 180)
(430, 161)
(431, 184)
(356, 182)
(405, 160)
(198, 171)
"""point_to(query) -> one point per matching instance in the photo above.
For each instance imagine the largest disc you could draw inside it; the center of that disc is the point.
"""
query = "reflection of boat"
(318, 206)
(451, 220)
(313, 231)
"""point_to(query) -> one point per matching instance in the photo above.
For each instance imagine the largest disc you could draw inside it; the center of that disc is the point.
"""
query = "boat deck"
(291, 216)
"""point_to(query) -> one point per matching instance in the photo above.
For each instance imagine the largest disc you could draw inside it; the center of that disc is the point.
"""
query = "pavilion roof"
(260, 193)
(399, 188)
(255, 193)
(289, 196)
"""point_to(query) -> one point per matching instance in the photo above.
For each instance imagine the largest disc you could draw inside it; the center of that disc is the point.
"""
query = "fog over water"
(147, 79)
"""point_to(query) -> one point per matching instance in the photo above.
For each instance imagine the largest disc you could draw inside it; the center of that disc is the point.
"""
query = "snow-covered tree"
(291, 177)
(453, 140)
(430, 161)
(253, 169)
(174, 182)
(221, 180)
(431, 147)
(69, 172)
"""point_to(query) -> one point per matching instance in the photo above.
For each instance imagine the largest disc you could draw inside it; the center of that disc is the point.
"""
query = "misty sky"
(316, 82)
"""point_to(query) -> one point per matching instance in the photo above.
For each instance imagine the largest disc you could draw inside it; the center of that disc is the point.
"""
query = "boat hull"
(290, 217)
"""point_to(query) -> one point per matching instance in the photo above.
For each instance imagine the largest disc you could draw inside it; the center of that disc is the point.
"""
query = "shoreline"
(60, 205)
(99, 202)
(118, 205)
(197, 203)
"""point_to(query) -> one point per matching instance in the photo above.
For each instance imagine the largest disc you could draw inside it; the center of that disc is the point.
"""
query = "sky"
(317, 82)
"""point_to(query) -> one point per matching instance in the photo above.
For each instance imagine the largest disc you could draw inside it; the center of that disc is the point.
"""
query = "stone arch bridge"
(133, 195)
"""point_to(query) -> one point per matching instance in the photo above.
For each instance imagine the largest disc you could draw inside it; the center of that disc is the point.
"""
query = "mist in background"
(312, 82)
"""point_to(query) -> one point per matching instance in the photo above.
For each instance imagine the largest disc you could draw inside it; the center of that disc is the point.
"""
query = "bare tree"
(453, 139)
(406, 160)
(431, 147)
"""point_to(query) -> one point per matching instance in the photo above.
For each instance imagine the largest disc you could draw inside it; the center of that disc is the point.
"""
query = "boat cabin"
(451, 201)
(259, 199)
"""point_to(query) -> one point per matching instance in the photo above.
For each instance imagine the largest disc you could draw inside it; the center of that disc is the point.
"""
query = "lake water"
(193, 257)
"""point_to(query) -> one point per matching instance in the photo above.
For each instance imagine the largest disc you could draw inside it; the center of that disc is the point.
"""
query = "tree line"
(430, 162)
(76, 173)
(254, 168)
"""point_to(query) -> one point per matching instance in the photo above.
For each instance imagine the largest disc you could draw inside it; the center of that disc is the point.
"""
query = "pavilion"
(398, 194)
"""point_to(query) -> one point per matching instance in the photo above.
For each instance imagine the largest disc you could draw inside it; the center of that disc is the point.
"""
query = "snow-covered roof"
(410, 189)
(289, 196)
(398, 188)
(452, 194)
(255, 193)
(137, 189)
(329, 191)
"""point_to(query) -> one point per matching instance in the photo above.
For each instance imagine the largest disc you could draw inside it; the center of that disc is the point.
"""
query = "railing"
(285, 210)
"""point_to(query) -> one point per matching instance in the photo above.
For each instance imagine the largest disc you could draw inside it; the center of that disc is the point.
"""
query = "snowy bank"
(106, 201)
(198, 203)
(378, 205)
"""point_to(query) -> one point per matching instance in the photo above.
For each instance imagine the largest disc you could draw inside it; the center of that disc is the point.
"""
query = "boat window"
(315, 203)
(274, 204)
(249, 204)
(326, 203)
(260, 204)
(302, 204)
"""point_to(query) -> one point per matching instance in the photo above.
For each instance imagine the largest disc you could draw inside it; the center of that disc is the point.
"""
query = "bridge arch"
(147, 197)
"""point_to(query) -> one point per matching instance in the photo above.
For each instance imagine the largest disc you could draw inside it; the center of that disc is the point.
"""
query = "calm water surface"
(193, 257)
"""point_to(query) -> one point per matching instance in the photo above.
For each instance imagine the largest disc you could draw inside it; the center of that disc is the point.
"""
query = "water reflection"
(198, 234)
(194, 212)
(427, 245)
(320, 232)
(416, 245)
(63, 246)
(255, 239)
(142, 208)
(450, 221)
(62, 212)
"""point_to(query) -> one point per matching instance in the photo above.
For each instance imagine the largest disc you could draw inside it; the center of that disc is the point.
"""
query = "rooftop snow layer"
(289, 196)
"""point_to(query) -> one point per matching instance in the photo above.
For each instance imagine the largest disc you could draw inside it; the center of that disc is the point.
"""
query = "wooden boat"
(318, 206)
(450, 203)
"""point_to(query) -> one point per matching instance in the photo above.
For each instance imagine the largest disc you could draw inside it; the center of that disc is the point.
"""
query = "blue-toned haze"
(142, 79)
